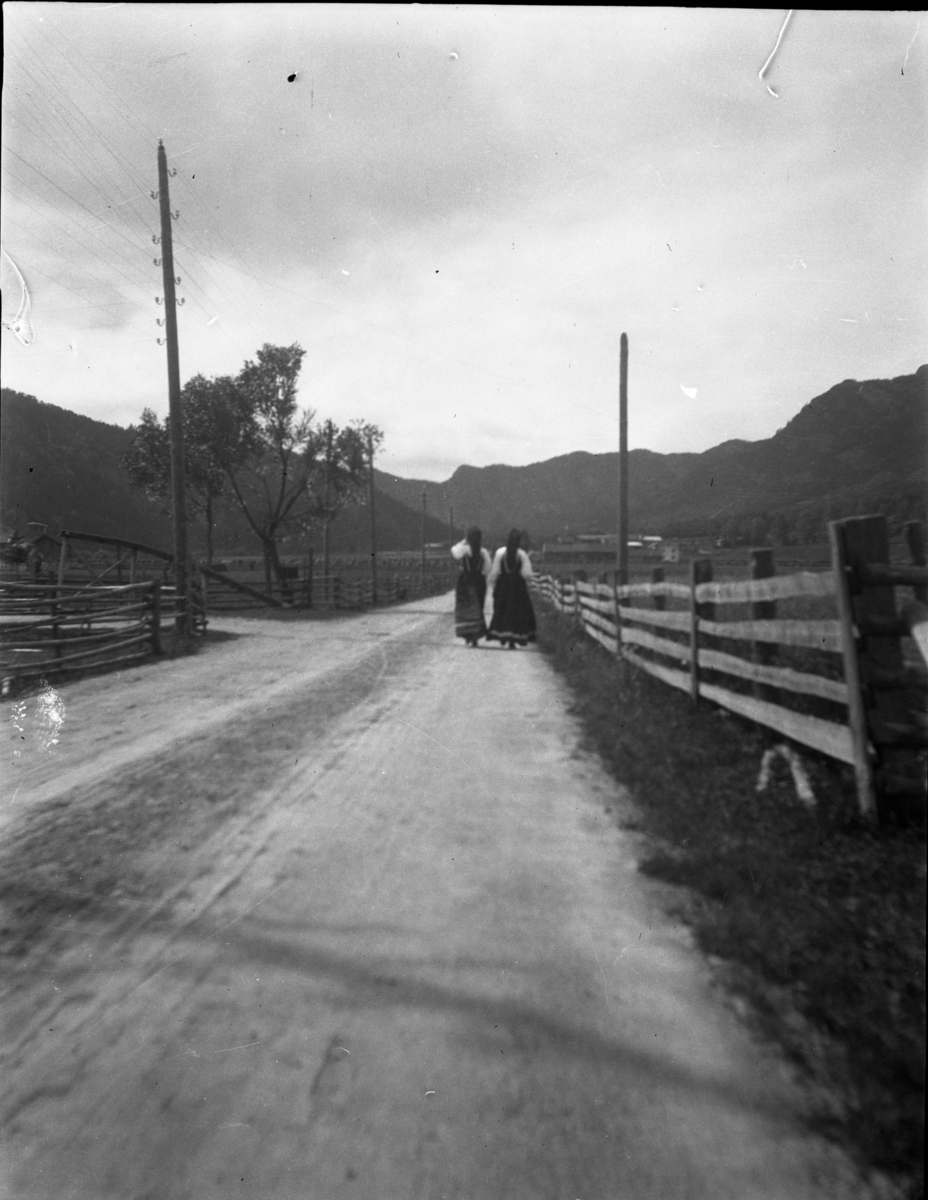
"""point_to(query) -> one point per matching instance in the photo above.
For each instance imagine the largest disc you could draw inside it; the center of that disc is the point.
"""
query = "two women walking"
(513, 622)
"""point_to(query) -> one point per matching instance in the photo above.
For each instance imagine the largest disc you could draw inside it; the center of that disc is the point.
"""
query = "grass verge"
(817, 922)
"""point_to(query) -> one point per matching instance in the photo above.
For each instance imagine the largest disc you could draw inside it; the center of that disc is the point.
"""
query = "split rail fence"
(850, 684)
(337, 592)
(50, 630)
(113, 598)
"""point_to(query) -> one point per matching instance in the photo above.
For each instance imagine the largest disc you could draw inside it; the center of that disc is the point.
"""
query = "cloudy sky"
(457, 210)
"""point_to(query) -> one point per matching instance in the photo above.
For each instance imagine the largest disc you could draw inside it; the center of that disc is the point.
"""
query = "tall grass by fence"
(819, 658)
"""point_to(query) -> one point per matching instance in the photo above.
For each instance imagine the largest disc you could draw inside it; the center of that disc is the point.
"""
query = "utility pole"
(178, 493)
(450, 524)
(621, 549)
(424, 494)
(329, 437)
(370, 453)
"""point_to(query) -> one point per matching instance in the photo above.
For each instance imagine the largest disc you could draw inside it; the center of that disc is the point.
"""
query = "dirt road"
(338, 910)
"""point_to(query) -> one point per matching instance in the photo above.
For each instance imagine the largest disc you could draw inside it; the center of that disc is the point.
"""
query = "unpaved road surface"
(340, 909)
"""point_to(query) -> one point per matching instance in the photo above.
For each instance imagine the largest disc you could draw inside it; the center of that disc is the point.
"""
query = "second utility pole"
(621, 548)
(424, 495)
(178, 490)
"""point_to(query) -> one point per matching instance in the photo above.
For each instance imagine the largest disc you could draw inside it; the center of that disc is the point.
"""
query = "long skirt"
(513, 614)
(469, 596)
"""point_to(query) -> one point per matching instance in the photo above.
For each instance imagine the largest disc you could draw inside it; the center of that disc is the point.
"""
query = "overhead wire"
(63, 146)
(244, 308)
(110, 202)
(68, 233)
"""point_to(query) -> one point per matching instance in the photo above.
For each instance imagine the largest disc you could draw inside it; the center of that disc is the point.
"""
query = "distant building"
(601, 547)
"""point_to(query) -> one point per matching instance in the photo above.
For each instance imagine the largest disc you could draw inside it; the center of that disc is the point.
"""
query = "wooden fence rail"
(46, 630)
(835, 683)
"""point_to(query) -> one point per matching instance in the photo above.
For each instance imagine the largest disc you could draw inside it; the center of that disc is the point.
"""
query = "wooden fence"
(843, 680)
(331, 592)
(49, 630)
(337, 592)
(121, 561)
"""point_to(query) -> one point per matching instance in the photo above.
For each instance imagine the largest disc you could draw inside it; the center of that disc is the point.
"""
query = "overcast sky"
(457, 211)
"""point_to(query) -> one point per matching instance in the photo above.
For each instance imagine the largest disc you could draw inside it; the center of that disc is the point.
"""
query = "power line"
(48, 220)
(62, 145)
(65, 192)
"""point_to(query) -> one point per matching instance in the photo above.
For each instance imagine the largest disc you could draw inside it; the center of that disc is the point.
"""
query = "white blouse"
(524, 561)
(463, 550)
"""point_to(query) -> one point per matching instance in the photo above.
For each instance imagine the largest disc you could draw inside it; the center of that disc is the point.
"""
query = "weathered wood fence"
(50, 630)
(122, 561)
(336, 592)
(822, 658)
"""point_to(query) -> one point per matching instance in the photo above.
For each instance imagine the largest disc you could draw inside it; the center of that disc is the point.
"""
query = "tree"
(780, 529)
(810, 525)
(215, 438)
(147, 461)
(343, 470)
(759, 530)
(372, 439)
(287, 474)
(268, 449)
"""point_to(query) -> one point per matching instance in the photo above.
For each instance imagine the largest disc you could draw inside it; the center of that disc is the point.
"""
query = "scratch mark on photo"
(773, 53)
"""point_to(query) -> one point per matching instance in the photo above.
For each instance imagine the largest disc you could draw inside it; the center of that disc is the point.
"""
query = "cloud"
(457, 211)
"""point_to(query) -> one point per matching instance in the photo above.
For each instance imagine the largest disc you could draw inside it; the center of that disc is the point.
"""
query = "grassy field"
(815, 924)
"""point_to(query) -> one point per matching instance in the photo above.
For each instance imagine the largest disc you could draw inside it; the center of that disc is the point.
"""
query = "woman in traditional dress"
(513, 621)
(471, 591)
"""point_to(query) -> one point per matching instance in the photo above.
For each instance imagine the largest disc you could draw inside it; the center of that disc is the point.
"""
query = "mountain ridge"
(860, 446)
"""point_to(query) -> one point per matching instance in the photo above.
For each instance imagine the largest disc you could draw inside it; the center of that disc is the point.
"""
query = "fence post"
(617, 577)
(873, 664)
(308, 582)
(56, 628)
(915, 539)
(763, 653)
(579, 577)
(204, 600)
(62, 560)
(657, 576)
(156, 616)
(700, 572)
(857, 720)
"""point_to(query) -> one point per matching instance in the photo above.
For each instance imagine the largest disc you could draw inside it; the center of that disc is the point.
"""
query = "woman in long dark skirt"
(470, 593)
(513, 621)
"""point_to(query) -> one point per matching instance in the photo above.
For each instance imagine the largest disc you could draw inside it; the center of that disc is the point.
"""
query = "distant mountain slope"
(858, 445)
(61, 470)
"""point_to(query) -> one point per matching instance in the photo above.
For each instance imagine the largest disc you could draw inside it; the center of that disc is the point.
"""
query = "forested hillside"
(62, 471)
(859, 447)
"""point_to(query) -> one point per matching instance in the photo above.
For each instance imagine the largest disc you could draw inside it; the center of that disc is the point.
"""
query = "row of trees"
(246, 438)
(802, 524)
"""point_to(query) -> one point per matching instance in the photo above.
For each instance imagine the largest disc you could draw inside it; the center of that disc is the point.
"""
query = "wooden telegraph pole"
(424, 494)
(450, 524)
(178, 495)
(621, 549)
(370, 454)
